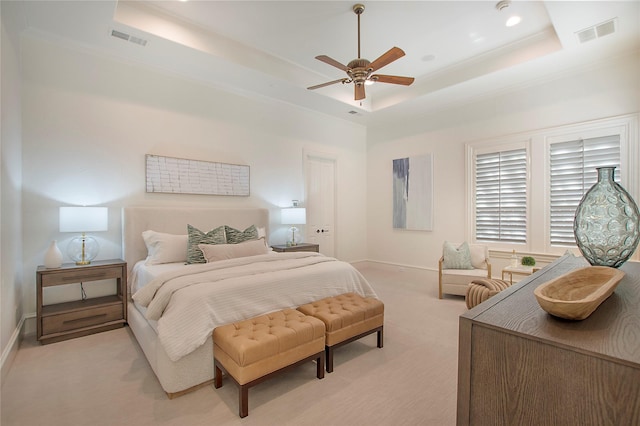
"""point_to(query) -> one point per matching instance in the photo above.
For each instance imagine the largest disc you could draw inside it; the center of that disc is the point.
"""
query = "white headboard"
(136, 220)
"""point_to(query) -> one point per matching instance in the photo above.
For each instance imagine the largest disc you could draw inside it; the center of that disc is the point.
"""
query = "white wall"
(88, 122)
(10, 180)
(608, 90)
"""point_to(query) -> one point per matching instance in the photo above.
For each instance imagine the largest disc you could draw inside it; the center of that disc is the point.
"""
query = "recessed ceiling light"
(476, 38)
(513, 20)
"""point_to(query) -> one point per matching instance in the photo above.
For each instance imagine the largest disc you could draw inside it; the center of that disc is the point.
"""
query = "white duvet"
(190, 302)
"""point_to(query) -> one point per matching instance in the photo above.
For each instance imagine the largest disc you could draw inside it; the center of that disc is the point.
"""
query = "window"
(523, 190)
(501, 196)
(572, 171)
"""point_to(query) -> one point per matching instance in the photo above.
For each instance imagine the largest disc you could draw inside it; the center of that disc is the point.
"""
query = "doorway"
(320, 181)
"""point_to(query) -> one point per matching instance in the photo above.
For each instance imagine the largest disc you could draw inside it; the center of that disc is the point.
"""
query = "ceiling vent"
(597, 31)
(127, 37)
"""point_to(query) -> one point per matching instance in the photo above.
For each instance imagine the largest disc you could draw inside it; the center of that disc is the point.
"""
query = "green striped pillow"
(235, 236)
(196, 236)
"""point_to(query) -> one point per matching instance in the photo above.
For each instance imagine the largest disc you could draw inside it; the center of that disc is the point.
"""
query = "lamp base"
(295, 237)
(83, 249)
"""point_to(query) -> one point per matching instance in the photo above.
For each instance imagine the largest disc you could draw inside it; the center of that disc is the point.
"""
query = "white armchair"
(454, 275)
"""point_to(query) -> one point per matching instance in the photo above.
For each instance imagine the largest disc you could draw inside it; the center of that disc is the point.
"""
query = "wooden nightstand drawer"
(309, 247)
(78, 275)
(79, 319)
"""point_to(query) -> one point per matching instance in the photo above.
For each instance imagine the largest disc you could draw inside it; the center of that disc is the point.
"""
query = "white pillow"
(215, 252)
(165, 248)
(262, 233)
(478, 256)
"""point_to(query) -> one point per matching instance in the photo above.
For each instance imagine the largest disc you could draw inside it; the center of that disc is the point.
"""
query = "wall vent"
(138, 40)
(127, 37)
(597, 31)
(119, 34)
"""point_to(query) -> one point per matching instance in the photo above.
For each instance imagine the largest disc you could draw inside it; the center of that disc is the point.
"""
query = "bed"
(172, 317)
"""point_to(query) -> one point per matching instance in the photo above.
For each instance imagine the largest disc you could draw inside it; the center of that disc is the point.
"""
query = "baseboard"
(10, 351)
(391, 266)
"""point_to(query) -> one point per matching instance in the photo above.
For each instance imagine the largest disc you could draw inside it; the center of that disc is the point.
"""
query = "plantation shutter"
(501, 196)
(572, 172)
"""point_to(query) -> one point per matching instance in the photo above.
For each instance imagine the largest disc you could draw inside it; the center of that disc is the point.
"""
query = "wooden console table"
(518, 365)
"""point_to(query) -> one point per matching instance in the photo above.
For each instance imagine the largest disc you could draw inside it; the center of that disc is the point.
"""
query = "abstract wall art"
(413, 193)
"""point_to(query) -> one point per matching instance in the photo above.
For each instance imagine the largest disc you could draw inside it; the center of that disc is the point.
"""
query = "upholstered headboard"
(136, 220)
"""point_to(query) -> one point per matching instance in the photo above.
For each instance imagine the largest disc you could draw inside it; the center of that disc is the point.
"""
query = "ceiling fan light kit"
(360, 70)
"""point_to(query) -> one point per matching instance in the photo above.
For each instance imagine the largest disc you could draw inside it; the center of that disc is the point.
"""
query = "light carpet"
(104, 379)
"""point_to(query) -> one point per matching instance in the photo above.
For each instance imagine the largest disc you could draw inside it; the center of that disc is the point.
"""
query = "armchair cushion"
(456, 258)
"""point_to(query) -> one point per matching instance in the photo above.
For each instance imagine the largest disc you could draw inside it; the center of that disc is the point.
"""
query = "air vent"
(597, 31)
(118, 34)
(127, 37)
(138, 40)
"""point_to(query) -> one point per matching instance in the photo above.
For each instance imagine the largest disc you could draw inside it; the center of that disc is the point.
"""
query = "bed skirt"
(189, 373)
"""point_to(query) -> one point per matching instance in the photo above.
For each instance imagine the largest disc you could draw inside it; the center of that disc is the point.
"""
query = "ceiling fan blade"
(393, 79)
(388, 57)
(331, 61)
(359, 91)
(342, 80)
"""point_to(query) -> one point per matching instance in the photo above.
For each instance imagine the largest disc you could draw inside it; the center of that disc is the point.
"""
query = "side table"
(61, 321)
(518, 270)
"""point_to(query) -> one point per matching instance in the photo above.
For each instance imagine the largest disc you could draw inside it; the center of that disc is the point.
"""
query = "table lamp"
(83, 248)
(294, 216)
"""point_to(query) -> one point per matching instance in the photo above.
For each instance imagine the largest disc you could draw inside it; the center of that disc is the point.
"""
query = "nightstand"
(298, 247)
(61, 321)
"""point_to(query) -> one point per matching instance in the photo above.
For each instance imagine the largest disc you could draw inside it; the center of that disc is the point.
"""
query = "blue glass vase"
(606, 222)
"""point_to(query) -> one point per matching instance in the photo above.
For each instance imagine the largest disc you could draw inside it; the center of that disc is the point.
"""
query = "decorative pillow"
(213, 253)
(164, 248)
(235, 236)
(262, 233)
(456, 258)
(478, 256)
(196, 236)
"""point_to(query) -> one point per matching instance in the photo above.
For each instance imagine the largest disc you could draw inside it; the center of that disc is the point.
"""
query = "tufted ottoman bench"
(347, 317)
(253, 350)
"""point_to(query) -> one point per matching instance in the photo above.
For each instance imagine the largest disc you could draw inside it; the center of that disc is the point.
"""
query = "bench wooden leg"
(243, 402)
(329, 356)
(217, 375)
(320, 366)
(380, 338)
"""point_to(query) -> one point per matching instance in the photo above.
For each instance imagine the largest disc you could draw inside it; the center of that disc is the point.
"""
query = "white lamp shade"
(84, 219)
(294, 216)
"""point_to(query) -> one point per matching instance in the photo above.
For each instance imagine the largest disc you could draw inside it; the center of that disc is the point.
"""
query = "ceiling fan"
(360, 70)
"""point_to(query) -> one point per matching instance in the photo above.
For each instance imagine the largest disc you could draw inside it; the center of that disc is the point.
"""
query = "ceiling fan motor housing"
(359, 70)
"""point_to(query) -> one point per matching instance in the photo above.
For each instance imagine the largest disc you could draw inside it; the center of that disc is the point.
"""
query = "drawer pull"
(84, 319)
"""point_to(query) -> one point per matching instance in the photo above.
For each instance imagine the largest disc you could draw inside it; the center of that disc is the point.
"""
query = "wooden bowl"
(576, 294)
